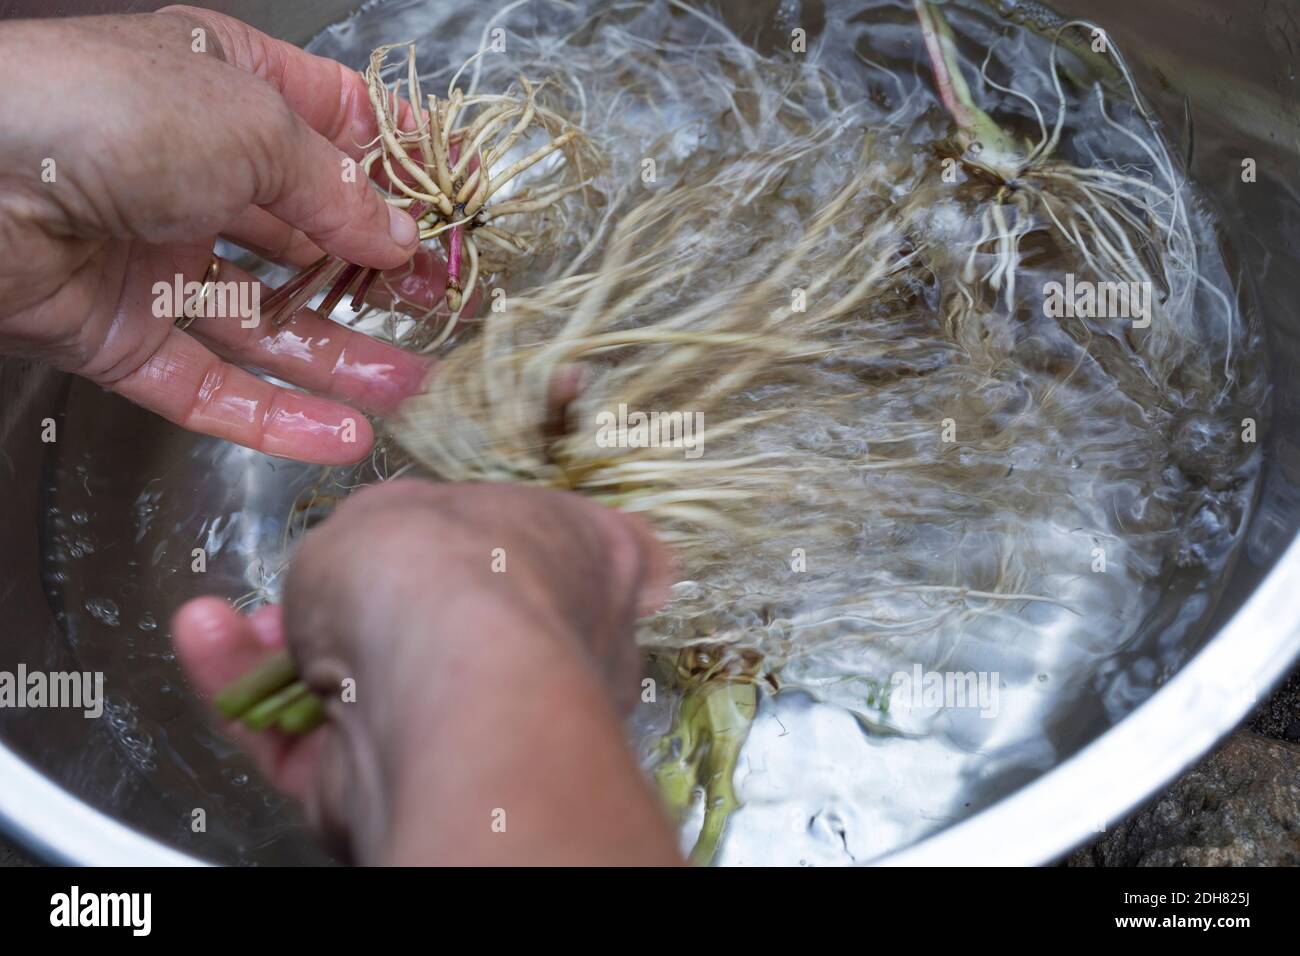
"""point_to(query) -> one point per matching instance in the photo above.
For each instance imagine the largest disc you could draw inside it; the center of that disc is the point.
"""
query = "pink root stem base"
(939, 66)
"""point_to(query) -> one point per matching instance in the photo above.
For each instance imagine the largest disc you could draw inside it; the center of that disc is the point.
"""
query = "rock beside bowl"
(1239, 807)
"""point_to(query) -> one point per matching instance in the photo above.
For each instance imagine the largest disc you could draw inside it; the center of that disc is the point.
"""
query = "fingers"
(651, 568)
(186, 384)
(307, 177)
(216, 644)
(418, 283)
(656, 567)
(257, 230)
(308, 190)
(329, 97)
(316, 354)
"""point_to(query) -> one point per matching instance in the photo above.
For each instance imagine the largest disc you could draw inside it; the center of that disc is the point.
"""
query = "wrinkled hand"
(126, 153)
(477, 688)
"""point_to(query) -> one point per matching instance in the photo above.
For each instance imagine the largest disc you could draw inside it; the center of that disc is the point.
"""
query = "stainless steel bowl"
(125, 790)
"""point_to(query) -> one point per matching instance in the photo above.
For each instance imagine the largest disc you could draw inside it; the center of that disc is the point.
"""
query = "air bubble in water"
(104, 610)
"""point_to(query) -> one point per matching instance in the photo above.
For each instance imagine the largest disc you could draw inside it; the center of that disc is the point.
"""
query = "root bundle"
(900, 450)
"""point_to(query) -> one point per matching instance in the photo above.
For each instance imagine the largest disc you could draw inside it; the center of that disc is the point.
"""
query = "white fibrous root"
(667, 320)
(772, 320)
(479, 173)
(660, 323)
(1128, 226)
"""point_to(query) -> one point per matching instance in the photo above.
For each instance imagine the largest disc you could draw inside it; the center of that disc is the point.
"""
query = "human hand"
(155, 150)
(476, 689)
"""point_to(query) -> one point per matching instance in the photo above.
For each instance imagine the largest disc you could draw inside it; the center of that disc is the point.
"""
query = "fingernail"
(402, 227)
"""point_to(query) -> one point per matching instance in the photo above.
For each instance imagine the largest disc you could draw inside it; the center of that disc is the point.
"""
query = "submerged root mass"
(844, 276)
(877, 377)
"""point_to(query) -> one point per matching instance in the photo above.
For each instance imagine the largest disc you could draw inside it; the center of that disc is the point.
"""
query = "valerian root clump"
(1121, 225)
(898, 449)
(473, 171)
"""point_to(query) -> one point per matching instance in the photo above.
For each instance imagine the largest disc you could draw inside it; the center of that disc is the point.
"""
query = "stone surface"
(1239, 807)
(11, 855)
(1279, 716)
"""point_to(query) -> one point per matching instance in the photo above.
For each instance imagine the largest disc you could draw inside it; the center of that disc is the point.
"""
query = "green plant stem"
(998, 152)
(240, 695)
(703, 750)
(302, 716)
(265, 713)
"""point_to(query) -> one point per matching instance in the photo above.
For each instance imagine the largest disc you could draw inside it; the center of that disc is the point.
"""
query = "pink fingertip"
(378, 376)
(316, 430)
(204, 621)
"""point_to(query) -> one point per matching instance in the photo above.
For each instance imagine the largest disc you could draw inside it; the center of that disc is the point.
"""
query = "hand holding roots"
(451, 164)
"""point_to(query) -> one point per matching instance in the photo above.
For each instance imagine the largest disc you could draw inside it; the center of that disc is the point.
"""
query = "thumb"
(658, 570)
(306, 110)
(321, 191)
